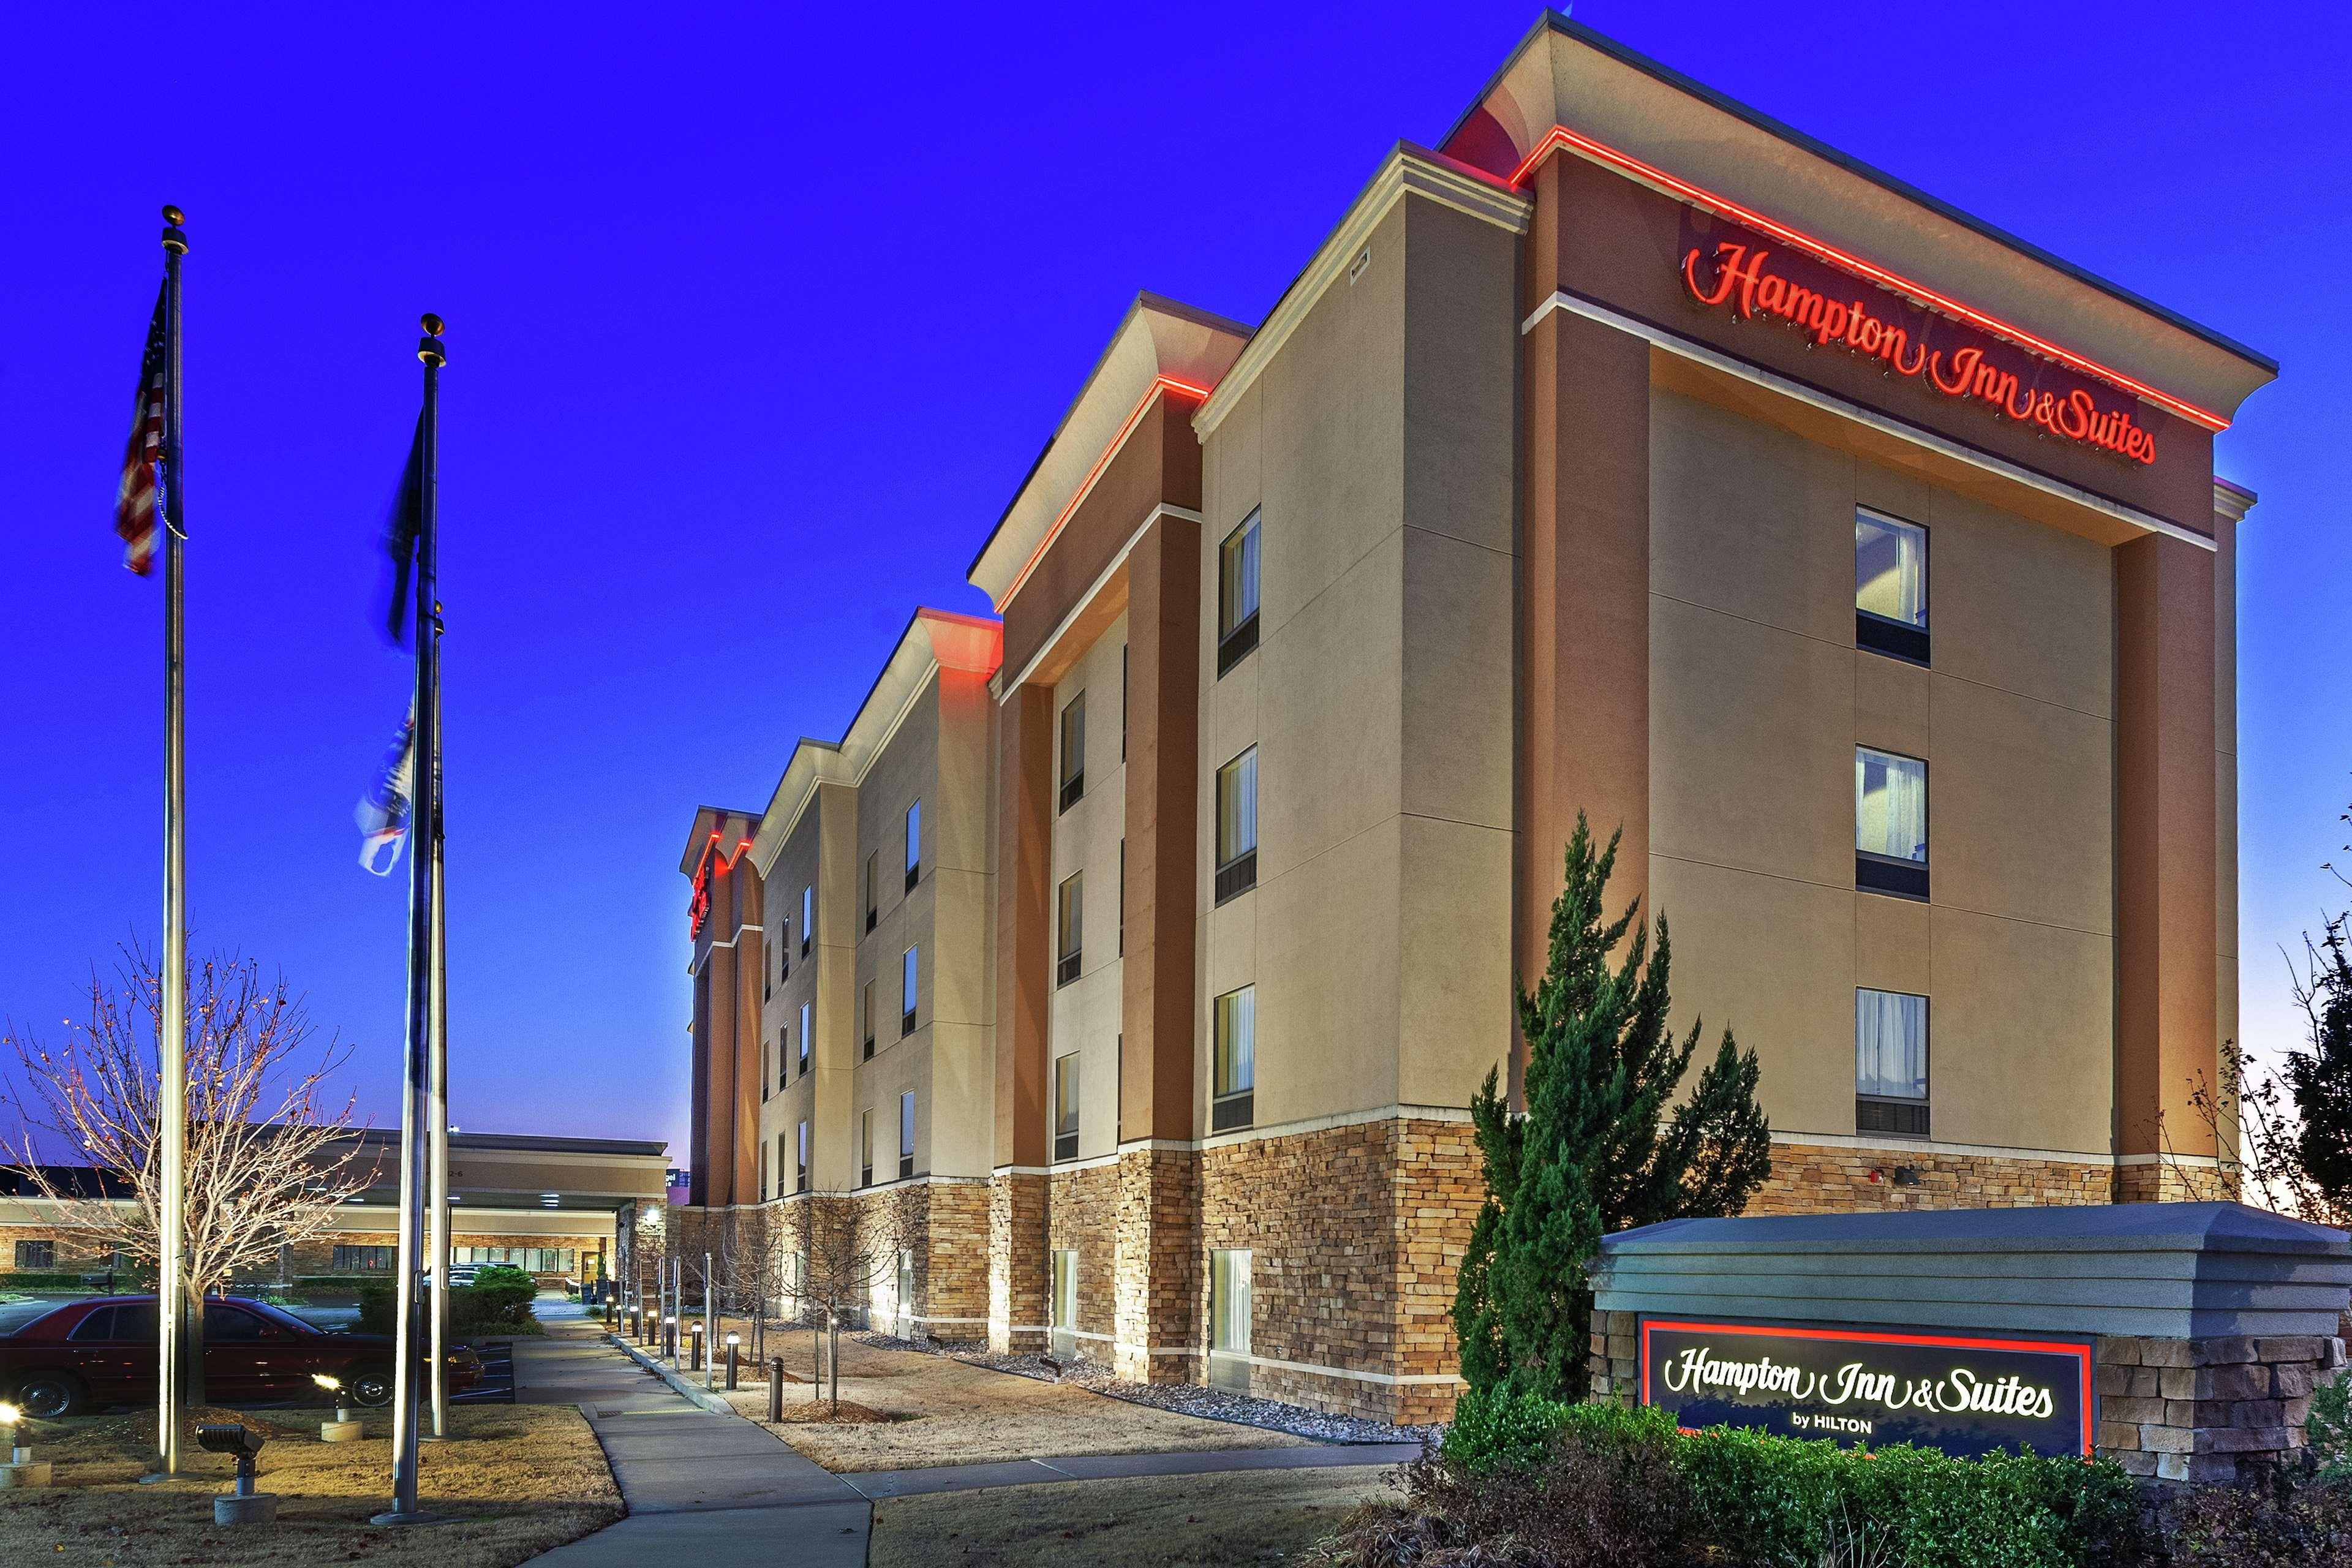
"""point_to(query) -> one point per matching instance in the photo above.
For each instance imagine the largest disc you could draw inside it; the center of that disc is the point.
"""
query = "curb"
(708, 1399)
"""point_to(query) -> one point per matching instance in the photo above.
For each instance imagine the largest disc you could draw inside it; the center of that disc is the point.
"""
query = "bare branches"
(852, 1247)
(268, 1152)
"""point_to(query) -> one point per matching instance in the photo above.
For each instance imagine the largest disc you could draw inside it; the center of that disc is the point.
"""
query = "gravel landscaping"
(912, 1410)
(1183, 1398)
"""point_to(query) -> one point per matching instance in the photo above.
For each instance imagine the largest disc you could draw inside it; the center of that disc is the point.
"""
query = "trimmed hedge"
(473, 1309)
(1784, 1502)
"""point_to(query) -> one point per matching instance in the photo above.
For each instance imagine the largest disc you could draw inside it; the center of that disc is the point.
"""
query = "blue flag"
(383, 812)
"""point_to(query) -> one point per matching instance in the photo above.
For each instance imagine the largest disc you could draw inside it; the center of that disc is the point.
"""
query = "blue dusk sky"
(757, 319)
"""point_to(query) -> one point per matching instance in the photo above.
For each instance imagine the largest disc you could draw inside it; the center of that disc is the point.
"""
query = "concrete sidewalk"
(725, 1489)
(714, 1485)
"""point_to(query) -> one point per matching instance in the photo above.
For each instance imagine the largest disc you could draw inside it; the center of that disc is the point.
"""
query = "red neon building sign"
(697, 907)
(1744, 281)
(1609, 157)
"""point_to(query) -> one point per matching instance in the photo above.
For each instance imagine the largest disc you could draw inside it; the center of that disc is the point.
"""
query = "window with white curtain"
(1237, 825)
(1890, 805)
(1065, 1106)
(1890, 823)
(1890, 1062)
(1236, 1071)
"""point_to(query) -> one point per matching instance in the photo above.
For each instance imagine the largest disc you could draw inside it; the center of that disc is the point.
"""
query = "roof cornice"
(1408, 170)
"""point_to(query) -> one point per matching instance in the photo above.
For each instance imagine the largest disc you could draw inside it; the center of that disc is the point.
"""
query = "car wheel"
(370, 1386)
(49, 1396)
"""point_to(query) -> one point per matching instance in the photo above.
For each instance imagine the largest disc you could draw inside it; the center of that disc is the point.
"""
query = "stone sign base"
(2208, 1410)
(2207, 1326)
(2223, 1409)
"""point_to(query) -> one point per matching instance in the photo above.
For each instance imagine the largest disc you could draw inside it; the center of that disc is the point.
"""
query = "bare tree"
(2259, 1139)
(851, 1248)
(754, 1266)
(268, 1157)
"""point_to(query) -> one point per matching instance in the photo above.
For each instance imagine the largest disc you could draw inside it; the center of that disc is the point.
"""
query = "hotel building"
(1627, 454)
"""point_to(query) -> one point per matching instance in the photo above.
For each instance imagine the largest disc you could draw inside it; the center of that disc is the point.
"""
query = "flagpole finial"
(175, 239)
(428, 348)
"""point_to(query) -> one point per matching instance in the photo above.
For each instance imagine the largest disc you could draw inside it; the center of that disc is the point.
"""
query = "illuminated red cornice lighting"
(1561, 136)
(1159, 384)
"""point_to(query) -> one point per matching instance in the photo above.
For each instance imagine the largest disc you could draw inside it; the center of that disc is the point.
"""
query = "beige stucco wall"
(1084, 1016)
(1377, 445)
(939, 754)
(819, 851)
(1758, 697)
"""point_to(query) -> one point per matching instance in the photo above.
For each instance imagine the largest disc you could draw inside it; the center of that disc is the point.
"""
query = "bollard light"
(734, 1342)
(334, 1386)
(9, 1416)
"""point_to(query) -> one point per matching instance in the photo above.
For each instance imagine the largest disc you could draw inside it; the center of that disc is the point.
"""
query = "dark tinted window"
(135, 1322)
(226, 1325)
(98, 1325)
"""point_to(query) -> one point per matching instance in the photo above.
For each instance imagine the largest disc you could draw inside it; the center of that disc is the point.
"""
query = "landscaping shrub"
(1608, 1491)
(1493, 1429)
(62, 1279)
(1529, 1480)
(2328, 1430)
(477, 1309)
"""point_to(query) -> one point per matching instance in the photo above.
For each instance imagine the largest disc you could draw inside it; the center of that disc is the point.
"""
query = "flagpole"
(172, 1039)
(437, 1075)
(415, 1108)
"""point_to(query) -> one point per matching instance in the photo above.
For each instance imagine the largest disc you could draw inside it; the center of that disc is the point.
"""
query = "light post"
(343, 1428)
(734, 1342)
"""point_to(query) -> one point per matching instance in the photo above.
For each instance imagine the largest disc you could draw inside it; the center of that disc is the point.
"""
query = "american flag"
(135, 498)
(384, 810)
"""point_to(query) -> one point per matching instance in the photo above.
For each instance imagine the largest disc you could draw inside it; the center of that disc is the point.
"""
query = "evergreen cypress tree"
(2321, 1077)
(1596, 1150)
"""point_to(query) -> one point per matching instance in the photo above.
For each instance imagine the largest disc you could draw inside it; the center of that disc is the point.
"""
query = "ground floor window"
(535, 1259)
(1229, 1320)
(1062, 1310)
(365, 1259)
(37, 1255)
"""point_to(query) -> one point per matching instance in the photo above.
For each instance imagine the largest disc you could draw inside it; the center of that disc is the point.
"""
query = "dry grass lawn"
(915, 1410)
(519, 1480)
(1159, 1522)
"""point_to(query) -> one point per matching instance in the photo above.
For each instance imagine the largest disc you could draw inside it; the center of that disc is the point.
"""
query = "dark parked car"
(90, 1353)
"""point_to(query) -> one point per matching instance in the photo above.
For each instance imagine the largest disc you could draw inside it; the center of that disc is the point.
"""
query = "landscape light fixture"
(244, 1506)
(734, 1342)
